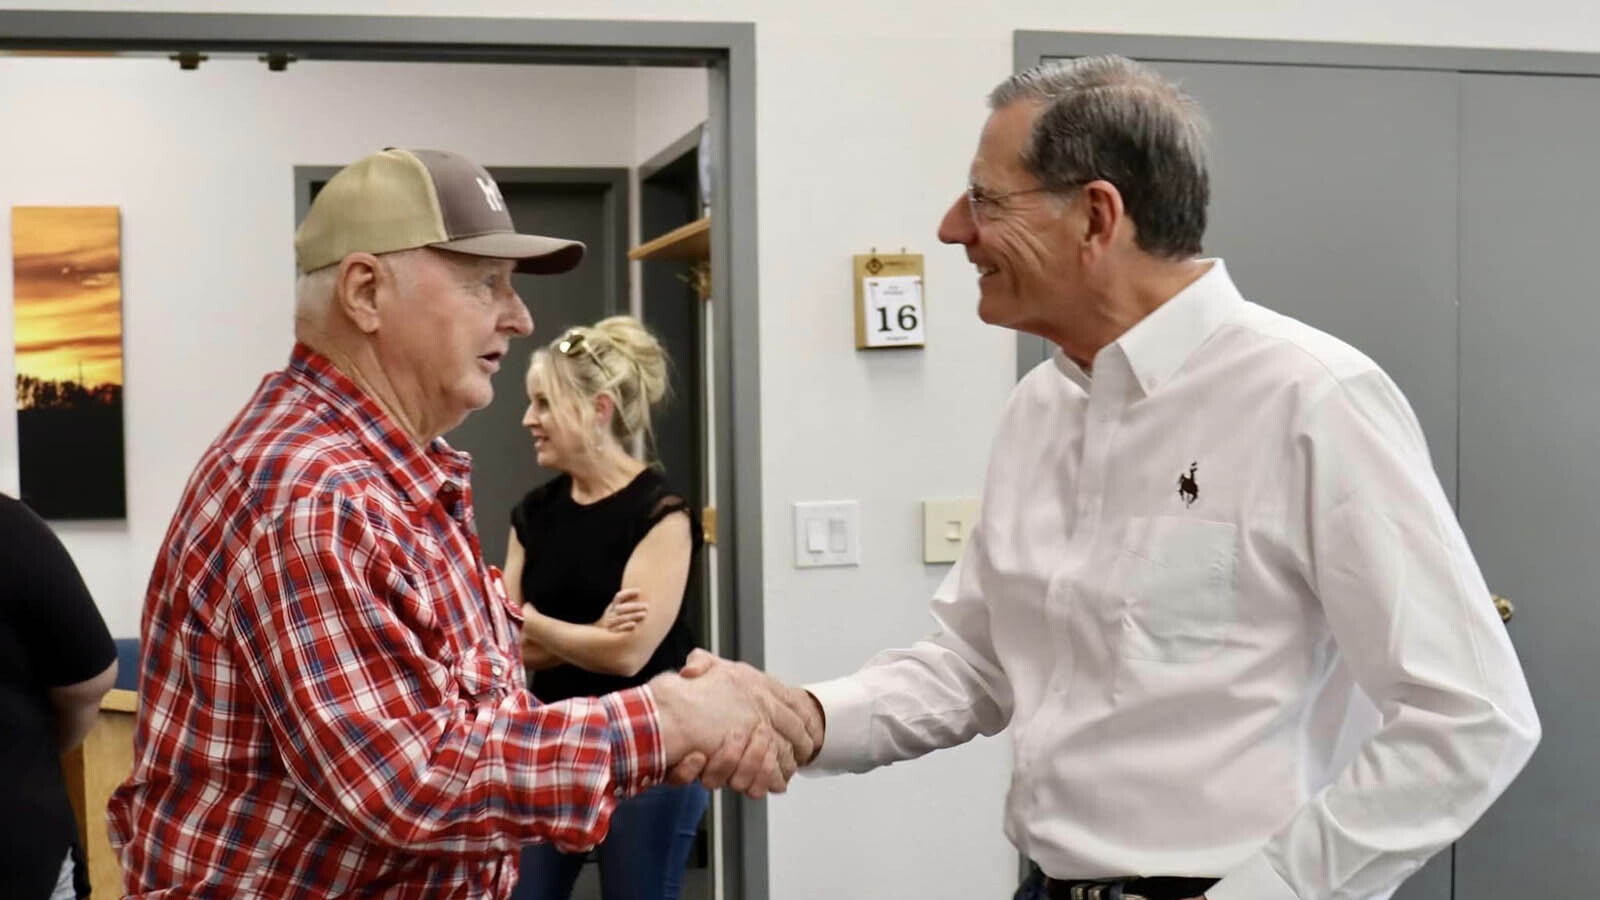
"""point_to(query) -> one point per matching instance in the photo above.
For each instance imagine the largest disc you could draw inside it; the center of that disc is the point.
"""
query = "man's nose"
(519, 320)
(956, 227)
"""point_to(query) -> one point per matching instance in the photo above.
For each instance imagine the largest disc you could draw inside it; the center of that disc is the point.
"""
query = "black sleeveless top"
(574, 556)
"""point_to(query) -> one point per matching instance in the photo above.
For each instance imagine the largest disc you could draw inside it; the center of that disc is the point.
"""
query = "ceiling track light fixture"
(188, 60)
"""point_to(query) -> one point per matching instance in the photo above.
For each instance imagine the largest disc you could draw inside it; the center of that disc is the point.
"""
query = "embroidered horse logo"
(1188, 488)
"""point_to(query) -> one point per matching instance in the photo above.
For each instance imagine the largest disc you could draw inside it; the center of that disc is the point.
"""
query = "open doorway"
(227, 334)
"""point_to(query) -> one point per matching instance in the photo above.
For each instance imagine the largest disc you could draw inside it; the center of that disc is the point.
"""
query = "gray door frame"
(1029, 48)
(727, 50)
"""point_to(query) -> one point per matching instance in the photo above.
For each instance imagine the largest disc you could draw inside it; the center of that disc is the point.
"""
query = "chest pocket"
(484, 673)
(1175, 577)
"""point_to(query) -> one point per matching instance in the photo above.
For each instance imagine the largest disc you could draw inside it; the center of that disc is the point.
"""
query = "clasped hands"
(729, 724)
(724, 723)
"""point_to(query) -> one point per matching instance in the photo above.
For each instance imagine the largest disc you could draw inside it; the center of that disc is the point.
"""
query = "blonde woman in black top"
(599, 558)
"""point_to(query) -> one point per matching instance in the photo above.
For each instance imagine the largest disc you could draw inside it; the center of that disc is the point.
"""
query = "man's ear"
(1104, 214)
(356, 289)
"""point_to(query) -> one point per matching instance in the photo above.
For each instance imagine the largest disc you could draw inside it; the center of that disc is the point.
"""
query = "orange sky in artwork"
(67, 275)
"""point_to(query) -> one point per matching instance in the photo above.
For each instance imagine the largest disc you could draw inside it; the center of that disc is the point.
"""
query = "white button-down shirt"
(1220, 597)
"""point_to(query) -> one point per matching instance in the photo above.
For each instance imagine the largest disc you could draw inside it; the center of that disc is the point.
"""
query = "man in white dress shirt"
(1211, 536)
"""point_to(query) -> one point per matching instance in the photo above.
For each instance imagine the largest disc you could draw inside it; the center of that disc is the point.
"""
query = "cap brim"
(535, 254)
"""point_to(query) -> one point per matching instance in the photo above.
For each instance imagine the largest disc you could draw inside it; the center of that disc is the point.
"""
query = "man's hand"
(728, 725)
(799, 701)
(624, 612)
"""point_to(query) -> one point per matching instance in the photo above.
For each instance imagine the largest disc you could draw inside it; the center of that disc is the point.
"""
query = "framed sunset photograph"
(67, 289)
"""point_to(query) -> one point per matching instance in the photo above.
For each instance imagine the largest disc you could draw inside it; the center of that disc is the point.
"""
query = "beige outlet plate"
(946, 525)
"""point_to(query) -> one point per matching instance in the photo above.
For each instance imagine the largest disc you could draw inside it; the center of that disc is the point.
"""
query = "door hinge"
(708, 524)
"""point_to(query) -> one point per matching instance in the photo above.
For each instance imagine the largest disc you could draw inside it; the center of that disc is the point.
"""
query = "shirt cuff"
(638, 759)
(847, 716)
(1256, 879)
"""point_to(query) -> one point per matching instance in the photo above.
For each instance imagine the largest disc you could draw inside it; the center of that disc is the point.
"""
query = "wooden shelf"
(690, 243)
(118, 700)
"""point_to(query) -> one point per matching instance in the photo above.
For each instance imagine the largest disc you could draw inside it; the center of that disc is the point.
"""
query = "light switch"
(816, 536)
(838, 535)
(827, 533)
(946, 525)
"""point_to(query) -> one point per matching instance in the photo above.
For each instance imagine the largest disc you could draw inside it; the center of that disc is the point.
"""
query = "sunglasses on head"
(573, 344)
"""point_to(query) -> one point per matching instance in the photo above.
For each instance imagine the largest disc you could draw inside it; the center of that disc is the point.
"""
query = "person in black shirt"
(599, 559)
(56, 661)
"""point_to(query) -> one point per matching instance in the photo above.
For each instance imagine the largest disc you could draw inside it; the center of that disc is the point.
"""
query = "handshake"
(728, 723)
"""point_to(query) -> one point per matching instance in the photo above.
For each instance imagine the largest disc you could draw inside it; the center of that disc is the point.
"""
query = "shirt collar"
(1162, 341)
(422, 474)
(1069, 368)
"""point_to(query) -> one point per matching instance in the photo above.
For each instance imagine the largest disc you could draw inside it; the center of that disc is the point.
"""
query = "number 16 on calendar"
(889, 310)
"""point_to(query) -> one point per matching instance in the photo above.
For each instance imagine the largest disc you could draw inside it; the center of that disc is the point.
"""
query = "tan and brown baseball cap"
(399, 199)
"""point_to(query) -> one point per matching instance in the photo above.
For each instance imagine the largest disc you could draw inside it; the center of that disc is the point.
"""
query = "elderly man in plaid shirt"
(331, 698)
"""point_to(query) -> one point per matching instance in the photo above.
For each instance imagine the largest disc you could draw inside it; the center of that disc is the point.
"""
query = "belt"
(1127, 889)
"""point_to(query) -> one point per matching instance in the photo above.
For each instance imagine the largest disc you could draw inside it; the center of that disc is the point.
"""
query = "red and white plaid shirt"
(331, 698)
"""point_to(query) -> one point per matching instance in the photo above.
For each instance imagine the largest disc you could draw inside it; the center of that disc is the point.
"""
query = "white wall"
(667, 103)
(867, 115)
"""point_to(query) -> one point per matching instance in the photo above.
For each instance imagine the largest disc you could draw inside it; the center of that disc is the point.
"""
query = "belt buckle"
(1110, 890)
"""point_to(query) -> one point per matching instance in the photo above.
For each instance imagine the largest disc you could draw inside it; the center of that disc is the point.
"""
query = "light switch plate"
(940, 520)
(827, 533)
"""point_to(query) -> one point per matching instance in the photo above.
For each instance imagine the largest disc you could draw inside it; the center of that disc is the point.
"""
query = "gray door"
(1317, 177)
(591, 206)
(1530, 437)
(1334, 201)
(1321, 177)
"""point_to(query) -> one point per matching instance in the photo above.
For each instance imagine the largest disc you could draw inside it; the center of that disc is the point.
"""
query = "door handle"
(1504, 607)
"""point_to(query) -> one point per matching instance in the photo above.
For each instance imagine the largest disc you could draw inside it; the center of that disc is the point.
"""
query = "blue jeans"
(642, 857)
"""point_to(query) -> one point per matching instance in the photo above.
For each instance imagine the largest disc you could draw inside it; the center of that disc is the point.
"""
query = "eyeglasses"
(573, 344)
(987, 207)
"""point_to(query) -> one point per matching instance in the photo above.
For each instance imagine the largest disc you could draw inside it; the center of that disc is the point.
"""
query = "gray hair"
(314, 291)
(313, 299)
(1110, 118)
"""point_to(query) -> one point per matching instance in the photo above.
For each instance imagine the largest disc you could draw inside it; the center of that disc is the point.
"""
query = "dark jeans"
(642, 857)
(1032, 887)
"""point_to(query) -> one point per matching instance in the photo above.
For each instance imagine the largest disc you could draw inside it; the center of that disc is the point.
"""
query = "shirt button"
(497, 669)
(647, 783)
